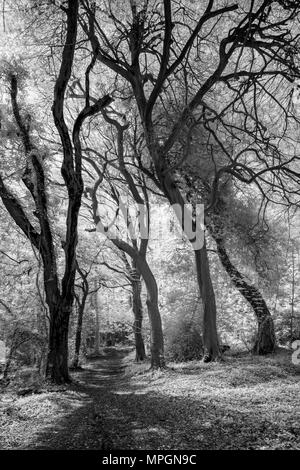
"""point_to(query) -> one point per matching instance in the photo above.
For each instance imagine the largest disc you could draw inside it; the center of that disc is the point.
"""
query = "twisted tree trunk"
(265, 340)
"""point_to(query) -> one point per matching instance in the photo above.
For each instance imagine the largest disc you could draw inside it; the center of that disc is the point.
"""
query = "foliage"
(223, 125)
(183, 340)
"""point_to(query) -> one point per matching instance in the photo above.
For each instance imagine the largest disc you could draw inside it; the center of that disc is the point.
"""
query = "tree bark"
(78, 336)
(210, 336)
(138, 320)
(57, 361)
(59, 296)
(265, 342)
(139, 258)
(97, 324)
(10, 356)
(156, 334)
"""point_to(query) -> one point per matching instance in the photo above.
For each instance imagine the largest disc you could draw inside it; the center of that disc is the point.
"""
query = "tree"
(157, 62)
(134, 277)
(219, 227)
(81, 299)
(59, 299)
(135, 248)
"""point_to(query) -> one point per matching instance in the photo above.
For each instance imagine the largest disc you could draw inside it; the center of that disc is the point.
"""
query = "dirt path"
(92, 424)
(243, 403)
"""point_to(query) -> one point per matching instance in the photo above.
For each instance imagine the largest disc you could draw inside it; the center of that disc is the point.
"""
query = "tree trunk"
(42, 364)
(156, 334)
(43, 331)
(138, 319)
(57, 361)
(174, 196)
(265, 341)
(210, 337)
(75, 363)
(10, 356)
(97, 323)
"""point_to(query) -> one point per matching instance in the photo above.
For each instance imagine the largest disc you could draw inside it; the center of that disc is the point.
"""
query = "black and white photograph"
(149, 229)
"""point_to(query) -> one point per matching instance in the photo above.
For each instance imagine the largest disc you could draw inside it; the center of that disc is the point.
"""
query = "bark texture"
(209, 327)
(59, 296)
(81, 306)
(210, 337)
(137, 307)
(265, 340)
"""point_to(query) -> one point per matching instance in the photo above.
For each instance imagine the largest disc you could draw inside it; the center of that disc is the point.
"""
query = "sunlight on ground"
(244, 402)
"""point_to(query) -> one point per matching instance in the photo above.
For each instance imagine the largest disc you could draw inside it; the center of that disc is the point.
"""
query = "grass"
(245, 402)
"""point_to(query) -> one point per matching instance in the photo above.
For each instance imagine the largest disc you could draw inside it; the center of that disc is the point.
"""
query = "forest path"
(104, 414)
(244, 402)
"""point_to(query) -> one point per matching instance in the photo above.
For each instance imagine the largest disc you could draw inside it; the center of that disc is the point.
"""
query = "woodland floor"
(244, 402)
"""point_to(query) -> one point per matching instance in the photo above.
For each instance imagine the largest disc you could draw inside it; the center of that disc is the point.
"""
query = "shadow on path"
(114, 413)
(84, 427)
